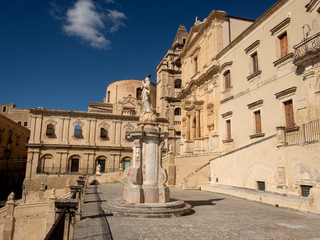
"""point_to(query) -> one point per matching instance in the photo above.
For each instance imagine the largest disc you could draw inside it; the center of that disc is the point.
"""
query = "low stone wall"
(50, 181)
(186, 165)
(109, 177)
(280, 170)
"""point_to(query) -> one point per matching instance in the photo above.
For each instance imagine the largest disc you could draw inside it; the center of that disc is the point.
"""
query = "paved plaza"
(214, 216)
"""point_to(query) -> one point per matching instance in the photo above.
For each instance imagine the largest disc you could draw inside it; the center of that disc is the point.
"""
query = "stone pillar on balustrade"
(281, 136)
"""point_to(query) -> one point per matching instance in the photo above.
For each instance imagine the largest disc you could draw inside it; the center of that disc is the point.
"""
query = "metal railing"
(307, 48)
(306, 133)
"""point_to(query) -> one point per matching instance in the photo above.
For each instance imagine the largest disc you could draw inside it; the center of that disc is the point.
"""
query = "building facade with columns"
(251, 99)
(169, 85)
(65, 143)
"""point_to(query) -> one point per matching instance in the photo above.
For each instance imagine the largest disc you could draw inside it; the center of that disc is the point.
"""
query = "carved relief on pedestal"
(163, 176)
(136, 169)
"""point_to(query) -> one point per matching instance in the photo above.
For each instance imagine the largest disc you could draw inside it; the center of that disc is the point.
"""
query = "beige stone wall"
(124, 88)
(13, 139)
(275, 75)
(233, 27)
(283, 170)
(185, 165)
(53, 153)
(19, 115)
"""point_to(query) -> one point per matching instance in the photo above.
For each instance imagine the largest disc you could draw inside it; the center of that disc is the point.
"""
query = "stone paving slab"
(93, 224)
(215, 216)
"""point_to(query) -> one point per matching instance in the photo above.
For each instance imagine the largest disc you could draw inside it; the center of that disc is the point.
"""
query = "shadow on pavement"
(208, 202)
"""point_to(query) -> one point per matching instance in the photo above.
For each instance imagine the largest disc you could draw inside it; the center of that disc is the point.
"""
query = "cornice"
(201, 79)
(253, 26)
(213, 15)
(286, 92)
(99, 115)
(72, 146)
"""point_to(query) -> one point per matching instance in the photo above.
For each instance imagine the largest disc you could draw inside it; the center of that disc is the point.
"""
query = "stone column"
(113, 139)
(8, 228)
(188, 128)
(87, 137)
(29, 165)
(93, 132)
(38, 130)
(198, 124)
(281, 136)
(35, 161)
(33, 128)
(61, 129)
(118, 132)
(66, 131)
(64, 162)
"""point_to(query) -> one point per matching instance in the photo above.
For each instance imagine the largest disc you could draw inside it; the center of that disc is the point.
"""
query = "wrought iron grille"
(307, 48)
(305, 190)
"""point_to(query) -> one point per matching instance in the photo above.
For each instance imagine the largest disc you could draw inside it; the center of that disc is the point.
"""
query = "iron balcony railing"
(307, 49)
(306, 133)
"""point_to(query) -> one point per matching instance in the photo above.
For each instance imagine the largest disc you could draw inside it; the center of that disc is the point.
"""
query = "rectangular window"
(305, 190)
(196, 64)
(25, 124)
(228, 123)
(4, 109)
(255, 66)
(19, 123)
(257, 118)
(261, 186)
(227, 80)
(288, 107)
(283, 44)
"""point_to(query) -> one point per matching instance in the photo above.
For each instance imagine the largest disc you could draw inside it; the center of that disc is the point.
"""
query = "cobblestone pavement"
(93, 224)
(215, 216)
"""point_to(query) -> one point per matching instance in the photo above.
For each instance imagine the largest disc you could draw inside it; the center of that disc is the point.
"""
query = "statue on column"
(148, 114)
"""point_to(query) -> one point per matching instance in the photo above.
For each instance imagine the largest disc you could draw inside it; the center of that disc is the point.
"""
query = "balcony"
(307, 50)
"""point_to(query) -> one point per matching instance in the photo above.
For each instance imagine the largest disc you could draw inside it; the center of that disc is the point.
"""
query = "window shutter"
(258, 121)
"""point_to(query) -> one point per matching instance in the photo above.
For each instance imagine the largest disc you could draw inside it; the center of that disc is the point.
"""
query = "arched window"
(126, 163)
(177, 111)
(45, 164)
(138, 93)
(77, 131)
(227, 79)
(74, 164)
(104, 134)
(102, 162)
(108, 96)
(50, 130)
(177, 83)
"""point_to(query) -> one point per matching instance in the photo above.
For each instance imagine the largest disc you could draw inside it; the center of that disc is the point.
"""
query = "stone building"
(19, 115)
(169, 86)
(66, 143)
(250, 101)
(13, 156)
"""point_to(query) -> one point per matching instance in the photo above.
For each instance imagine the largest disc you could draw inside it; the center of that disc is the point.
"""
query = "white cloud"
(109, 1)
(84, 21)
(116, 18)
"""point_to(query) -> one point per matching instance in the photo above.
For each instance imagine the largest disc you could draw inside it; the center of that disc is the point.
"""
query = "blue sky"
(62, 54)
